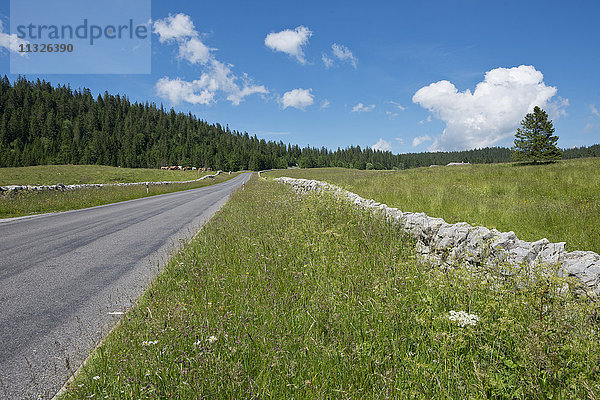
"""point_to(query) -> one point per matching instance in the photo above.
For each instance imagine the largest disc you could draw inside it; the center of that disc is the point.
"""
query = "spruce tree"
(535, 140)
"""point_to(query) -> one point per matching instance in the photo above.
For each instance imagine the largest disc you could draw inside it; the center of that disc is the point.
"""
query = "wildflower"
(212, 339)
(149, 342)
(463, 318)
(96, 378)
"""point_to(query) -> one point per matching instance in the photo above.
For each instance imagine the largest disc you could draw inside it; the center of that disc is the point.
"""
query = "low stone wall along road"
(66, 278)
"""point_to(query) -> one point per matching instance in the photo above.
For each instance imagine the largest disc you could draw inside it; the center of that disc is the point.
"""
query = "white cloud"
(344, 54)
(420, 139)
(204, 90)
(392, 115)
(215, 76)
(290, 42)
(297, 98)
(325, 104)
(382, 145)
(398, 105)
(174, 27)
(360, 107)
(237, 96)
(194, 51)
(328, 62)
(177, 91)
(594, 110)
(399, 140)
(11, 42)
(492, 112)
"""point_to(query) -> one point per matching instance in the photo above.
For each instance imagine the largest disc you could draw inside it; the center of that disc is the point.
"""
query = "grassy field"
(78, 174)
(33, 202)
(560, 202)
(281, 296)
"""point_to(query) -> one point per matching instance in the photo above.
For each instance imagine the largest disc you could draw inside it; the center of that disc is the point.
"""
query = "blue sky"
(400, 76)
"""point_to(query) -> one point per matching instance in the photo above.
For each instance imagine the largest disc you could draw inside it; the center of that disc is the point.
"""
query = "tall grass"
(78, 174)
(16, 204)
(281, 296)
(560, 201)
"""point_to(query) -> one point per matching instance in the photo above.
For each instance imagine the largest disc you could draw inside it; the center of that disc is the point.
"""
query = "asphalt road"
(64, 275)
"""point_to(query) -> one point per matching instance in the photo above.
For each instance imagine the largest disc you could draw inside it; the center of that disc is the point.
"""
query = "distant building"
(457, 163)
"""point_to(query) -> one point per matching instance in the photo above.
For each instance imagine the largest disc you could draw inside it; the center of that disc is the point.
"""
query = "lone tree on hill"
(534, 140)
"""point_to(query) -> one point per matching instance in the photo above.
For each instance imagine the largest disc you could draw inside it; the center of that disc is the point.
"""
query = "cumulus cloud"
(297, 98)
(382, 145)
(215, 76)
(237, 96)
(360, 107)
(594, 110)
(492, 112)
(290, 42)
(399, 140)
(194, 51)
(325, 104)
(344, 54)
(420, 139)
(174, 27)
(177, 91)
(328, 62)
(10, 42)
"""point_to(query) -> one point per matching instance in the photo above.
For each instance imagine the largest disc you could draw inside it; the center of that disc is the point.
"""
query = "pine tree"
(534, 139)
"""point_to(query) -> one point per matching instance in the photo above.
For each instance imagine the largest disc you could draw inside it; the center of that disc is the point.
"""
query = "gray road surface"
(62, 274)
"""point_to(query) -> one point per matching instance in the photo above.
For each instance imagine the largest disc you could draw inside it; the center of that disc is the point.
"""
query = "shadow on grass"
(528, 163)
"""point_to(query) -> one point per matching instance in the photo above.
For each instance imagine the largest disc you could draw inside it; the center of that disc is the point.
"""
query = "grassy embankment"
(560, 202)
(27, 203)
(282, 296)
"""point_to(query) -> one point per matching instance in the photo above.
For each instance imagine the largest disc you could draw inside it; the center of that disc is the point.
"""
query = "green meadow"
(290, 296)
(22, 203)
(559, 201)
(79, 174)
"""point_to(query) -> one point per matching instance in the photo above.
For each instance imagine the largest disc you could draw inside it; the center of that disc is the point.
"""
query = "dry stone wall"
(441, 242)
(60, 186)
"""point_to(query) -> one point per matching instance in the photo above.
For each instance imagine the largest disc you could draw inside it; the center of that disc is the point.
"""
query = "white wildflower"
(96, 378)
(463, 318)
(149, 342)
(212, 339)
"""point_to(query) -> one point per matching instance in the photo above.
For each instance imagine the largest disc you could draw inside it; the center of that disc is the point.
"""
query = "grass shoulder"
(287, 296)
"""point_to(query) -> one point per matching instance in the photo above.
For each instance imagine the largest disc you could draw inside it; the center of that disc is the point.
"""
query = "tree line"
(42, 124)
